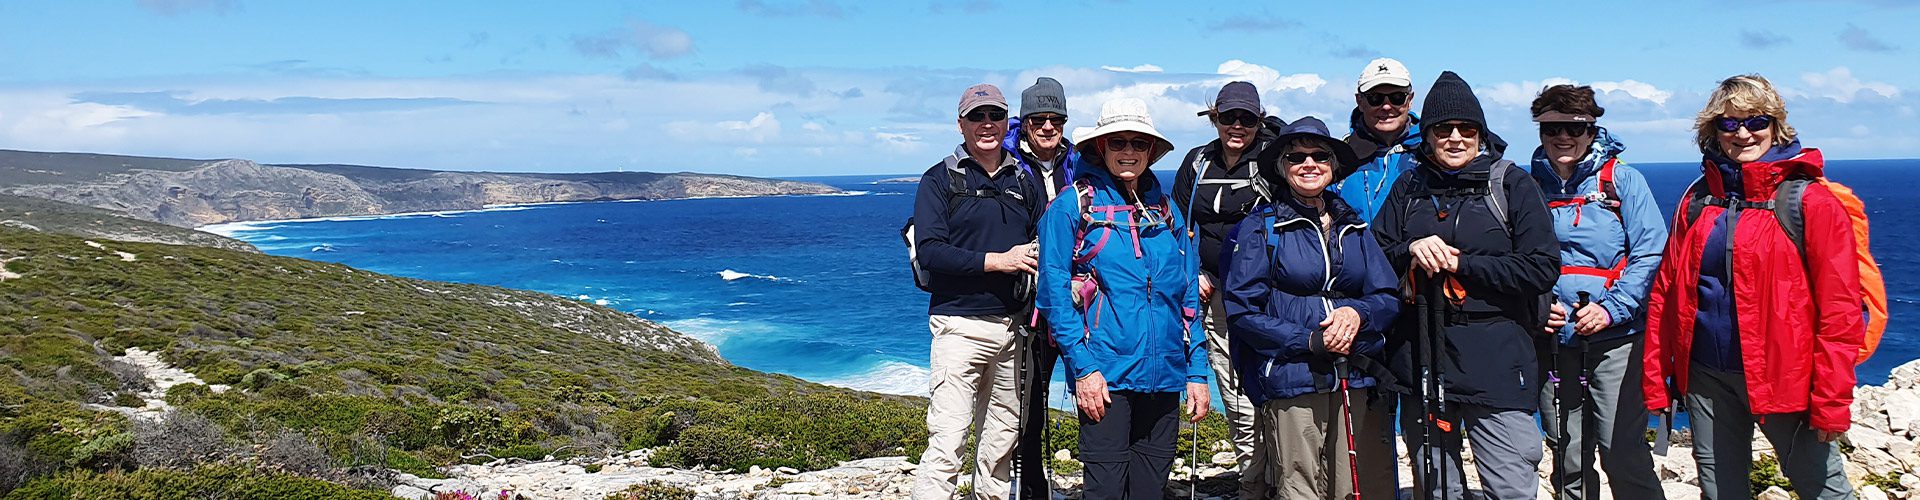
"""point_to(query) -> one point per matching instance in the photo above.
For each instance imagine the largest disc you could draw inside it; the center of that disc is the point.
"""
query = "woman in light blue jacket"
(1611, 236)
(1117, 288)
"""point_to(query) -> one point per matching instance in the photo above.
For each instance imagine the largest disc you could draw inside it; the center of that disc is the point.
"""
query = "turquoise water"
(817, 286)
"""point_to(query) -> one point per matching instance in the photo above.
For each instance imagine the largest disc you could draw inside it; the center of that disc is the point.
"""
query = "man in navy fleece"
(975, 242)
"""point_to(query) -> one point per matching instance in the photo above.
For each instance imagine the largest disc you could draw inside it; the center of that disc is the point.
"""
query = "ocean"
(817, 286)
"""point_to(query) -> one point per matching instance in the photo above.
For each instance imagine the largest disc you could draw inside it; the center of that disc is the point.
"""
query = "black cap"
(1451, 99)
(1045, 96)
(1237, 95)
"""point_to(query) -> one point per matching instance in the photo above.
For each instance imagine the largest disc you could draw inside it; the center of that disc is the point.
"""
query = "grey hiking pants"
(1506, 450)
(1723, 422)
(1619, 413)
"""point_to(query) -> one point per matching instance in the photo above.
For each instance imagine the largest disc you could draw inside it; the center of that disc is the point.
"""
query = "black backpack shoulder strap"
(1789, 209)
(1697, 199)
(956, 181)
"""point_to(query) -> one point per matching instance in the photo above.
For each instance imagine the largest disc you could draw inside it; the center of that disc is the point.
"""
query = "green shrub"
(1766, 474)
(652, 490)
(183, 394)
(112, 451)
(204, 482)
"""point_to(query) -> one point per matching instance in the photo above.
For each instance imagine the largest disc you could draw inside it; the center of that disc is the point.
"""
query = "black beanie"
(1451, 99)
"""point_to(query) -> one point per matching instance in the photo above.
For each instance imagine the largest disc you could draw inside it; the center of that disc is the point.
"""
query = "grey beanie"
(1045, 96)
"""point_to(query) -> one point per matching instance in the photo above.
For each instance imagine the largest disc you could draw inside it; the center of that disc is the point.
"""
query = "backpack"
(1607, 197)
(956, 189)
(1086, 286)
(1789, 206)
(1495, 193)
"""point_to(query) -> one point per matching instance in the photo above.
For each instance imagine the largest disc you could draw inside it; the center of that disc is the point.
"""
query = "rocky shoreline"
(186, 193)
(1880, 453)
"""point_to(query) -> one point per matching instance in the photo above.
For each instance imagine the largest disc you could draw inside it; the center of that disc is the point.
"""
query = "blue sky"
(805, 87)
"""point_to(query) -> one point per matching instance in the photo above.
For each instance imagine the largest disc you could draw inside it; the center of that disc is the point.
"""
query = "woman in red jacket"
(1748, 330)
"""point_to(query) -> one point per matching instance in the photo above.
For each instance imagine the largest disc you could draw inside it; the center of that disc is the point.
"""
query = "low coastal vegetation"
(342, 374)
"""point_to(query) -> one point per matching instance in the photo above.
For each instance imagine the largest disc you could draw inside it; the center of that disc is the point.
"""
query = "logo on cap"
(980, 93)
(1383, 68)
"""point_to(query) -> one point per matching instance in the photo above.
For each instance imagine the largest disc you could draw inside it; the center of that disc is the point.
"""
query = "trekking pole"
(1022, 381)
(1589, 443)
(1426, 302)
(1346, 412)
(1560, 409)
(1193, 468)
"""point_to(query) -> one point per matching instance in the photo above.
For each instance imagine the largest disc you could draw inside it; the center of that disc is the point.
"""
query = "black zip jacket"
(1487, 344)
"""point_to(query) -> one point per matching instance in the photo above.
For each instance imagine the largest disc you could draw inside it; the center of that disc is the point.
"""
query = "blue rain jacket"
(1592, 236)
(1139, 330)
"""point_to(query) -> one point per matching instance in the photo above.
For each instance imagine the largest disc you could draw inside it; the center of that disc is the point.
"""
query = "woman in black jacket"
(1472, 238)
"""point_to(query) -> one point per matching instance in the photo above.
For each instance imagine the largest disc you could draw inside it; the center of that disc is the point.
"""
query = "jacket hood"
(1605, 147)
(1756, 179)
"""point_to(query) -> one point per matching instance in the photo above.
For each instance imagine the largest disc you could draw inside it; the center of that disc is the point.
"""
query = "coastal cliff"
(193, 193)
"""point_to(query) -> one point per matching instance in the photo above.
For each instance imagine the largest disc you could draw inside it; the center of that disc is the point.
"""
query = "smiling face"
(1235, 132)
(983, 137)
(1312, 171)
(1742, 144)
(1385, 118)
(1563, 149)
(1126, 154)
(1455, 143)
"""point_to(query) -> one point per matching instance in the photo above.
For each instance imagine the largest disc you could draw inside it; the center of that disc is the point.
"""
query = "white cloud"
(1639, 90)
(1144, 68)
(1839, 84)
(761, 128)
(1522, 93)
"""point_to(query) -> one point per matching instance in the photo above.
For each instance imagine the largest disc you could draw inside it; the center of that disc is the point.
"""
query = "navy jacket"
(1488, 355)
(1286, 276)
(954, 246)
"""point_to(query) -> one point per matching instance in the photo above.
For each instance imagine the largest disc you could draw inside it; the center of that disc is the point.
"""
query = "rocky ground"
(1880, 450)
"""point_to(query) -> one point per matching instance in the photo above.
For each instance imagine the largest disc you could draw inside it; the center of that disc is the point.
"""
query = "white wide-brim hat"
(1125, 114)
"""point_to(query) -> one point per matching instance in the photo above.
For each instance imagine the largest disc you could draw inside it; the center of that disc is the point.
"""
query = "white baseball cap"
(1385, 71)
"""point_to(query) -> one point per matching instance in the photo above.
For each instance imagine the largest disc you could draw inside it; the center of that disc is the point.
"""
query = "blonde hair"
(1751, 93)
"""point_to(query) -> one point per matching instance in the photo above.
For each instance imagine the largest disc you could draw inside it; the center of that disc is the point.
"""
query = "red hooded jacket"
(1800, 322)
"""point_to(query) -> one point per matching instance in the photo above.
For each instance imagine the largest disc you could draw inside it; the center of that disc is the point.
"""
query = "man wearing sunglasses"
(1385, 133)
(1215, 188)
(1037, 139)
(973, 221)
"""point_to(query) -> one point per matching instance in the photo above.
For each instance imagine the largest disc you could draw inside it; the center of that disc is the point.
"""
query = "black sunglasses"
(985, 115)
(1116, 144)
(1317, 156)
(1753, 123)
(1236, 117)
(1056, 120)
(1397, 98)
(1445, 130)
(1564, 128)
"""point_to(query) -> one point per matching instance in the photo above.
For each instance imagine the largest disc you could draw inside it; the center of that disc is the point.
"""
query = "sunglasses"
(1445, 130)
(986, 115)
(1753, 123)
(1240, 118)
(1056, 120)
(1117, 145)
(1566, 129)
(1397, 98)
(1317, 156)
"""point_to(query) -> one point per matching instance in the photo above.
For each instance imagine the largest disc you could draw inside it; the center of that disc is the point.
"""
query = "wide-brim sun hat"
(1312, 127)
(1125, 114)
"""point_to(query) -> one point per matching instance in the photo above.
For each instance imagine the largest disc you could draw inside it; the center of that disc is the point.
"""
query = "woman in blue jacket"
(1308, 297)
(1611, 237)
(1117, 288)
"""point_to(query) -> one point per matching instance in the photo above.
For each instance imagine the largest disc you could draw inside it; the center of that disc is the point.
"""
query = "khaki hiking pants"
(973, 385)
(1240, 413)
